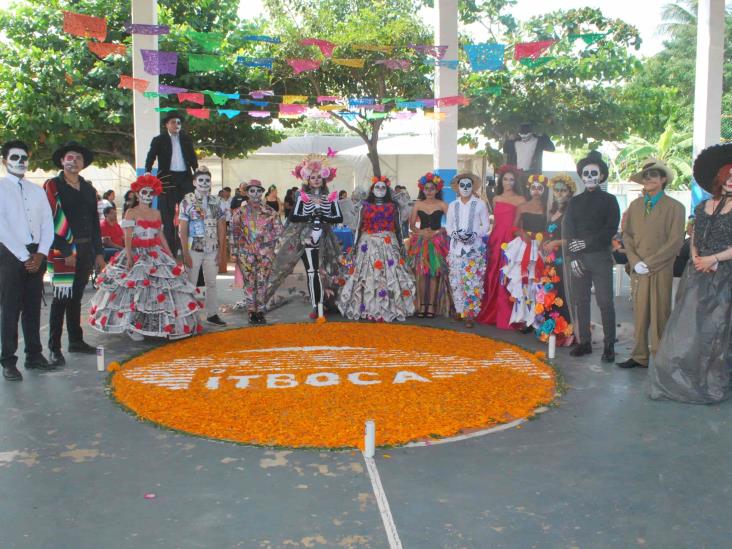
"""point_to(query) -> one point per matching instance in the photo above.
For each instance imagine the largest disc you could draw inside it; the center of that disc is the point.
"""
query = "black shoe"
(608, 353)
(82, 347)
(37, 361)
(630, 363)
(55, 358)
(253, 318)
(581, 349)
(11, 373)
(526, 329)
(260, 318)
(215, 320)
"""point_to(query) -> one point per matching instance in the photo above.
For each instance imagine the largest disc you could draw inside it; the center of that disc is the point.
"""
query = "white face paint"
(174, 125)
(525, 136)
(380, 189)
(202, 184)
(255, 193)
(561, 192)
(17, 162)
(591, 176)
(145, 195)
(465, 187)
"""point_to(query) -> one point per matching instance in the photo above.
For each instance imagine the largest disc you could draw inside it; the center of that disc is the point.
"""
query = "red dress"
(496, 306)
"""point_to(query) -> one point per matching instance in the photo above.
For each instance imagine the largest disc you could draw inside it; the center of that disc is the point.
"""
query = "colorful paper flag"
(164, 88)
(404, 115)
(428, 103)
(220, 98)
(252, 102)
(199, 113)
(394, 64)
(532, 49)
(165, 109)
(438, 52)
(229, 113)
(209, 41)
(485, 57)
(258, 94)
(588, 38)
(538, 62)
(259, 114)
(293, 109)
(372, 47)
(453, 101)
(409, 104)
(103, 49)
(374, 115)
(264, 62)
(198, 62)
(129, 83)
(490, 90)
(435, 115)
(303, 65)
(262, 38)
(294, 99)
(316, 113)
(327, 98)
(353, 63)
(153, 95)
(361, 101)
(326, 47)
(348, 116)
(150, 30)
(86, 26)
(449, 64)
(159, 62)
(331, 107)
(192, 97)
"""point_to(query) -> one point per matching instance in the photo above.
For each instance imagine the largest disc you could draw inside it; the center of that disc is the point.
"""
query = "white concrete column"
(146, 118)
(446, 85)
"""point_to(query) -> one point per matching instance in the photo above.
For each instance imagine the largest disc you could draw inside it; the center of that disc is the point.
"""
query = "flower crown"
(383, 179)
(515, 170)
(147, 181)
(538, 178)
(563, 178)
(430, 177)
(314, 163)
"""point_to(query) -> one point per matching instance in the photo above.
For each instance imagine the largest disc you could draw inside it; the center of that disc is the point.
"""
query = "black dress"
(694, 358)
(430, 221)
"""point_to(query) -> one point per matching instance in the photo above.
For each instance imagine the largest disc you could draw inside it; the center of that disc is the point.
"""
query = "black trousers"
(20, 299)
(175, 186)
(598, 272)
(70, 307)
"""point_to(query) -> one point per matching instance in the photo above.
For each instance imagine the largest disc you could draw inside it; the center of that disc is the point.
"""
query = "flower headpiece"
(563, 178)
(149, 181)
(314, 163)
(383, 179)
(430, 177)
(512, 168)
(538, 178)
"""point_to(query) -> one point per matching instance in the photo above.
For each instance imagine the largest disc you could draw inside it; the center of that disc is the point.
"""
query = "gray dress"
(694, 360)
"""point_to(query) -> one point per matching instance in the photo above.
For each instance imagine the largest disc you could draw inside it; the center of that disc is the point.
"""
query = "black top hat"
(708, 163)
(59, 153)
(171, 115)
(594, 157)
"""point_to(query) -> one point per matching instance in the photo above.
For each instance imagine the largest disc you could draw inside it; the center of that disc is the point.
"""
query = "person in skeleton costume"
(255, 228)
(309, 236)
(590, 223)
(526, 149)
(552, 311)
(467, 226)
(143, 292)
(524, 263)
(380, 286)
(202, 235)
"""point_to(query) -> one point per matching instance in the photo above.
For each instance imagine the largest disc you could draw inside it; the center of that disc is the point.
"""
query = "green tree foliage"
(350, 23)
(53, 89)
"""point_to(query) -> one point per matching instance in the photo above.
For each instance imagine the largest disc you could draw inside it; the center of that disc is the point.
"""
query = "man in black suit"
(177, 161)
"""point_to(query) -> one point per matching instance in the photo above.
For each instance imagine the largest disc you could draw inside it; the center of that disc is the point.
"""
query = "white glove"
(455, 235)
(641, 268)
(469, 238)
(578, 269)
(576, 245)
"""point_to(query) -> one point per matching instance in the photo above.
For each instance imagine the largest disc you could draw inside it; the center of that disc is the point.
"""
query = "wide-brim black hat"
(59, 153)
(593, 157)
(171, 115)
(708, 163)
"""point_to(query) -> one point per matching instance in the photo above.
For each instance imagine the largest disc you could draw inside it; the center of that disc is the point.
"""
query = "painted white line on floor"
(383, 503)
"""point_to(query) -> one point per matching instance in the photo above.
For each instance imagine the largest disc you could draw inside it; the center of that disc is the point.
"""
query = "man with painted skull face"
(26, 234)
(77, 246)
(255, 228)
(589, 224)
(467, 226)
(176, 158)
(202, 225)
(526, 149)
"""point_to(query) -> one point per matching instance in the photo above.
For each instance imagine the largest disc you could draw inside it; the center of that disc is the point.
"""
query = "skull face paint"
(174, 125)
(561, 192)
(73, 162)
(536, 189)
(591, 176)
(255, 194)
(465, 187)
(380, 189)
(145, 195)
(202, 183)
(17, 162)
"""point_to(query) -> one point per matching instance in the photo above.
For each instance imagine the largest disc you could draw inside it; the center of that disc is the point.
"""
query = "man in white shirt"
(26, 234)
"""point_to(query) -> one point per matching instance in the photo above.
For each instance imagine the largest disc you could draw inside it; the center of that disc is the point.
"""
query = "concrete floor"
(607, 467)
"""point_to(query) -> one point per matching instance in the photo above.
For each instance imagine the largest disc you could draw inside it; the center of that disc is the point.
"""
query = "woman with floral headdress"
(524, 263)
(309, 236)
(428, 249)
(380, 286)
(552, 311)
(496, 306)
(143, 291)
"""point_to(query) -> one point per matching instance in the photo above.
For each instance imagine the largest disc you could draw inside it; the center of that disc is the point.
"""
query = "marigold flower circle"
(315, 385)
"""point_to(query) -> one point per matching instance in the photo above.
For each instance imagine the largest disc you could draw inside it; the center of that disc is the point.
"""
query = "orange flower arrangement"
(402, 377)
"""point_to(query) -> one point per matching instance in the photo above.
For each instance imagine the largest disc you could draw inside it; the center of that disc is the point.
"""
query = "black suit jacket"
(544, 143)
(161, 147)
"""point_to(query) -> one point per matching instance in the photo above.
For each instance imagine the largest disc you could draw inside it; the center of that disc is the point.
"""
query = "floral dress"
(380, 285)
(153, 298)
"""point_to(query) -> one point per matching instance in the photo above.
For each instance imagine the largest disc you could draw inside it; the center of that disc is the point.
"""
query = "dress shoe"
(215, 320)
(37, 361)
(608, 353)
(55, 358)
(82, 347)
(261, 319)
(11, 373)
(581, 349)
(630, 363)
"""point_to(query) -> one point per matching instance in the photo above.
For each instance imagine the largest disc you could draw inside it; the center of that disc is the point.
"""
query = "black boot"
(581, 349)
(253, 318)
(608, 353)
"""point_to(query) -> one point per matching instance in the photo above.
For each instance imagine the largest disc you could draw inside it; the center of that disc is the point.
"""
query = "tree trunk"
(372, 145)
